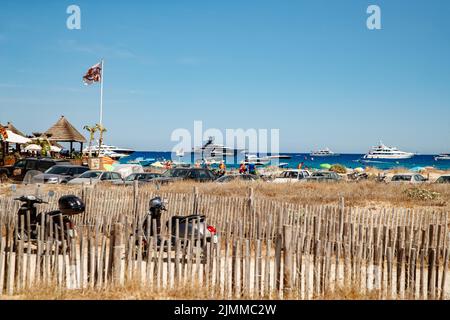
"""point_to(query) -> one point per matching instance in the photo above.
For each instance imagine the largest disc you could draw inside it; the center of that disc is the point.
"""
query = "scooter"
(189, 227)
(68, 206)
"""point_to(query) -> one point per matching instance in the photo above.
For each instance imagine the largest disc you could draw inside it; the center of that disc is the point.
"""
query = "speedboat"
(108, 151)
(323, 153)
(442, 156)
(384, 152)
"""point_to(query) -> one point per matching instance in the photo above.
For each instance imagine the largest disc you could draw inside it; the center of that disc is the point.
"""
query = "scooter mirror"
(51, 193)
(13, 188)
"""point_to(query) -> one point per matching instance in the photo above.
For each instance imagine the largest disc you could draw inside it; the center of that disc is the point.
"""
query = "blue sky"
(309, 68)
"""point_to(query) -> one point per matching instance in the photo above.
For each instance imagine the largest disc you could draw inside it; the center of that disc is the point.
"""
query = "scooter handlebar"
(30, 199)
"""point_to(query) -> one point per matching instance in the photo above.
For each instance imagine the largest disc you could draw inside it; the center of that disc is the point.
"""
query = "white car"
(292, 176)
(409, 178)
(95, 176)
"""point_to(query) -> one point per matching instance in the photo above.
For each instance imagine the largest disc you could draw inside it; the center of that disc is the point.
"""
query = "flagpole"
(101, 95)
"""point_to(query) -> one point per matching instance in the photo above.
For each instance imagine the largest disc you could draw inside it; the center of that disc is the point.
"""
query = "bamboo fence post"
(118, 253)
(287, 262)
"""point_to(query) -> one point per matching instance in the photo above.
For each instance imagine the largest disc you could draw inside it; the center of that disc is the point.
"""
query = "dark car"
(140, 177)
(59, 174)
(237, 177)
(324, 176)
(18, 171)
(178, 174)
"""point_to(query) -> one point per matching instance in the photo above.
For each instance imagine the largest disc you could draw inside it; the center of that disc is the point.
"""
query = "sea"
(351, 161)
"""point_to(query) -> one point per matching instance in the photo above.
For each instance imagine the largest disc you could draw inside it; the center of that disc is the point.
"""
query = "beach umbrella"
(33, 147)
(157, 164)
(325, 166)
(359, 169)
(108, 167)
(15, 138)
(55, 149)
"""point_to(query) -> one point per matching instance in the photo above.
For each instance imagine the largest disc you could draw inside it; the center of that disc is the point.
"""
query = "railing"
(266, 249)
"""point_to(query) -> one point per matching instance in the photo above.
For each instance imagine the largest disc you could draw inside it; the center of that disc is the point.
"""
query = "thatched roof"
(63, 131)
(13, 129)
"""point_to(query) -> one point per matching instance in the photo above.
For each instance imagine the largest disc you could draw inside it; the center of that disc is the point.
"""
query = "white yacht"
(443, 156)
(323, 153)
(384, 152)
(109, 151)
(214, 151)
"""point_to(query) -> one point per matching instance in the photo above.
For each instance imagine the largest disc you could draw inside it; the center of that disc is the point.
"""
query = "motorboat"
(108, 151)
(442, 156)
(382, 151)
(323, 153)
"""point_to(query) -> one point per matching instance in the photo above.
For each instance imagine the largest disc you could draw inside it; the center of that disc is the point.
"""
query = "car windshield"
(401, 178)
(58, 170)
(443, 179)
(131, 177)
(175, 173)
(91, 174)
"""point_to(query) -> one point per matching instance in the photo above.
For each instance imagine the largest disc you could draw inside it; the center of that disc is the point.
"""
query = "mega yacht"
(212, 150)
(443, 156)
(384, 152)
(323, 153)
(109, 151)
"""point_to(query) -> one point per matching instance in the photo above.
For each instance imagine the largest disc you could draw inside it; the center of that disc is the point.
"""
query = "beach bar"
(64, 131)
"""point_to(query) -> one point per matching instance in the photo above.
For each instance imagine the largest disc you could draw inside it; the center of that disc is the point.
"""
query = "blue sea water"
(348, 160)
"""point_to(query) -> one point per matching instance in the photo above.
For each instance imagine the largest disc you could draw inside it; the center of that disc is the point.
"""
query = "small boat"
(143, 162)
(384, 152)
(109, 151)
(323, 153)
(442, 156)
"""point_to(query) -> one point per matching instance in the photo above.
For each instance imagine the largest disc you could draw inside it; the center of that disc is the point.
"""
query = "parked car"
(18, 171)
(443, 179)
(178, 174)
(59, 174)
(96, 176)
(140, 177)
(295, 175)
(324, 176)
(237, 177)
(408, 177)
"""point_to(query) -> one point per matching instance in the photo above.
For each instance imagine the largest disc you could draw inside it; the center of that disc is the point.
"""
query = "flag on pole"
(94, 74)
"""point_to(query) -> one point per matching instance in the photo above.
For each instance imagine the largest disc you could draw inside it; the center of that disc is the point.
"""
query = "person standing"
(242, 168)
(222, 168)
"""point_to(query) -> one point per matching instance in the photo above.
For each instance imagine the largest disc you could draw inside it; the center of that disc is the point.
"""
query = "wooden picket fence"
(265, 248)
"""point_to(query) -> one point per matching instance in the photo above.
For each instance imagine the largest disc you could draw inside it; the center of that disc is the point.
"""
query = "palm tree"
(102, 130)
(42, 141)
(92, 130)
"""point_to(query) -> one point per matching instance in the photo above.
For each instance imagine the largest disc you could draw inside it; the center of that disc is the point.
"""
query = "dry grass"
(132, 290)
(362, 194)
(365, 194)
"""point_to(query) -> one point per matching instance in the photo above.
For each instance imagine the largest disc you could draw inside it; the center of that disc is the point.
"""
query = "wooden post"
(287, 262)
(118, 253)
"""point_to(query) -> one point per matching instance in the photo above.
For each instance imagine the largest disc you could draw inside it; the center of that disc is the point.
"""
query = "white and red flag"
(94, 74)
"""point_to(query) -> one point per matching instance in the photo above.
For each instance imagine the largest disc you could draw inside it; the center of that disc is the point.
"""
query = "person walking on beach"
(300, 165)
(242, 168)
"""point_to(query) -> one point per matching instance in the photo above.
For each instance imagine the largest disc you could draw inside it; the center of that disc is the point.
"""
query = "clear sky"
(309, 68)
